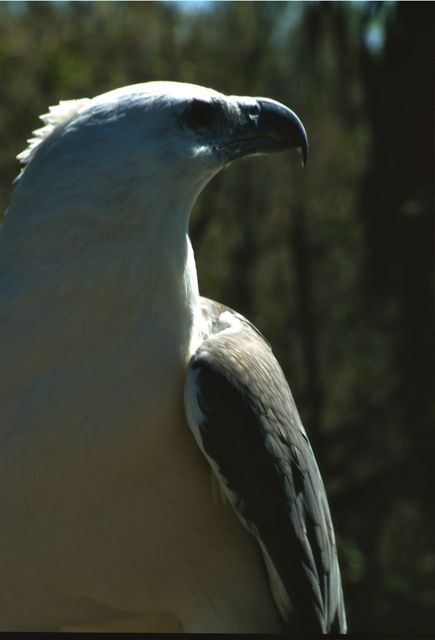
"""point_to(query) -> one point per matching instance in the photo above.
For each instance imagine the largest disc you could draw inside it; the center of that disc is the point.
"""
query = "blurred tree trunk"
(396, 205)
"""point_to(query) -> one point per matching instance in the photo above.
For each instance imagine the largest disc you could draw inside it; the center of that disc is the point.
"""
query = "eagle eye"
(202, 114)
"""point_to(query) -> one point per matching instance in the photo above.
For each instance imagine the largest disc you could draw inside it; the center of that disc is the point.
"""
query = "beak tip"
(302, 139)
(303, 151)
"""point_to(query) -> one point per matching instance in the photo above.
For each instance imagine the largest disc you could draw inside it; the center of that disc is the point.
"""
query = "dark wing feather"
(242, 413)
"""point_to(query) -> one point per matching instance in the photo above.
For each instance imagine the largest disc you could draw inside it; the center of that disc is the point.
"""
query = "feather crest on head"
(57, 115)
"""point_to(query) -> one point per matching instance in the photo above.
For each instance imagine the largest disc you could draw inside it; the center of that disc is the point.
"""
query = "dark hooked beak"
(266, 126)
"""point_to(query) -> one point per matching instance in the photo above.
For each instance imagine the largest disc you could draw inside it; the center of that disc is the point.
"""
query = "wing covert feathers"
(244, 419)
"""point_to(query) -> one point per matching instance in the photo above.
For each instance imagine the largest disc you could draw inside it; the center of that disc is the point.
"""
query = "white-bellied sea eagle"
(110, 360)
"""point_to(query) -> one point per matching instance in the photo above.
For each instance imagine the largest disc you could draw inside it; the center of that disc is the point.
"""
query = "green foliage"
(309, 256)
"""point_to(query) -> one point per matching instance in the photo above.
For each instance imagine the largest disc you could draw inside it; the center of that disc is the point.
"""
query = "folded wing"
(244, 419)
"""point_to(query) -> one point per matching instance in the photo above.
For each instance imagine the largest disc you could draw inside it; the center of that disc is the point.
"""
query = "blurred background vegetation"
(333, 263)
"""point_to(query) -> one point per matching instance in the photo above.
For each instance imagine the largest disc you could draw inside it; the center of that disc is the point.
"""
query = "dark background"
(333, 263)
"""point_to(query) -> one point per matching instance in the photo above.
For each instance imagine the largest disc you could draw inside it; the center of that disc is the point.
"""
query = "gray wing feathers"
(242, 413)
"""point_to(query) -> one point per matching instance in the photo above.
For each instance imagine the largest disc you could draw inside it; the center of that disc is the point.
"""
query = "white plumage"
(107, 517)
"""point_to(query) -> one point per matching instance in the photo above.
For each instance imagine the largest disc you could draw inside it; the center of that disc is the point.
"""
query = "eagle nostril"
(253, 112)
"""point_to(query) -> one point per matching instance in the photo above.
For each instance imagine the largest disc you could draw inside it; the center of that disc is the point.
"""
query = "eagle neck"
(170, 278)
